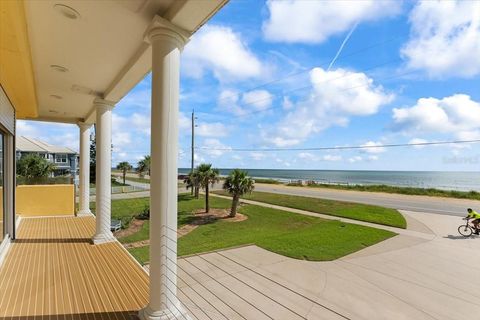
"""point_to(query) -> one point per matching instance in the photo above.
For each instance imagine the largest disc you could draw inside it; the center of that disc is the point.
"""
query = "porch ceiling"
(96, 50)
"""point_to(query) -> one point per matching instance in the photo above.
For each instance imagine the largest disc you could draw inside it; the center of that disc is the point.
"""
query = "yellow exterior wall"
(16, 72)
(45, 200)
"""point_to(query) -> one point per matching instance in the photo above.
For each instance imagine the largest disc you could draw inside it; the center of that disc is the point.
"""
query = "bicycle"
(467, 229)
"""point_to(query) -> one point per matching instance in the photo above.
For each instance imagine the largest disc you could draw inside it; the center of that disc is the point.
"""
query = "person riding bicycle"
(476, 216)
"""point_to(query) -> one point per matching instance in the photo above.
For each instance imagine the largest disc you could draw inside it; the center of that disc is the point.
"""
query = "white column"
(167, 42)
(103, 140)
(84, 174)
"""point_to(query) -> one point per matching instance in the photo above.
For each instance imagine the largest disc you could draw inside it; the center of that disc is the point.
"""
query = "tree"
(193, 181)
(34, 166)
(207, 176)
(93, 162)
(143, 166)
(124, 167)
(237, 184)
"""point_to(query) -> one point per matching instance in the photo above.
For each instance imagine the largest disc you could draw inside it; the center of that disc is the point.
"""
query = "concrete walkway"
(429, 274)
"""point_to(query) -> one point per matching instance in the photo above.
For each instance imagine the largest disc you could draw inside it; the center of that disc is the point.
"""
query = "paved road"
(436, 205)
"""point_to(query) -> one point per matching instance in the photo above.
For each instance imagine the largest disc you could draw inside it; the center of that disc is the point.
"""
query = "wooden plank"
(53, 269)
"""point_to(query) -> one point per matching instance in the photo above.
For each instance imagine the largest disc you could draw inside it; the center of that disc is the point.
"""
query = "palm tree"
(207, 176)
(237, 184)
(144, 166)
(124, 167)
(193, 181)
(34, 166)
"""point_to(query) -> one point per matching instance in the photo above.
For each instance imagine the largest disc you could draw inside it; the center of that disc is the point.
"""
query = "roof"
(57, 58)
(27, 144)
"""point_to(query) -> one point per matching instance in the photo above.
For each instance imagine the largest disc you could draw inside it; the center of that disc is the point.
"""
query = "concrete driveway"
(431, 273)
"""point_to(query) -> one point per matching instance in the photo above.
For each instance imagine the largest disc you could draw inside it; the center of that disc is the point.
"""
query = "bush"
(145, 214)
(126, 222)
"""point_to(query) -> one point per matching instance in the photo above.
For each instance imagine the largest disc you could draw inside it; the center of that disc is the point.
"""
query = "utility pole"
(193, 145)
(193, 140)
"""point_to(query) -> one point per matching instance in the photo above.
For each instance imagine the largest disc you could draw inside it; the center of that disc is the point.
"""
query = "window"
(61, 158)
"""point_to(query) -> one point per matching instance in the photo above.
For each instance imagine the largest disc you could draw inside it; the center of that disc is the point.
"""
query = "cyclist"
(472, 214)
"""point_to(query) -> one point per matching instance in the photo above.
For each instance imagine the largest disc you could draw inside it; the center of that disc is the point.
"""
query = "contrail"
(343, 45)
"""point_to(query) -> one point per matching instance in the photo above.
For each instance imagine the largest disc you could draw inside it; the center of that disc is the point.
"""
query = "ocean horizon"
(445, 180)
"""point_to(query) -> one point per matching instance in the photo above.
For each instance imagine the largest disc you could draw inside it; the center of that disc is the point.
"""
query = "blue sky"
(262, 75)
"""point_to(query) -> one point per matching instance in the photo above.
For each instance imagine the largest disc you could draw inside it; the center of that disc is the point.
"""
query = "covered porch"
(72, 62)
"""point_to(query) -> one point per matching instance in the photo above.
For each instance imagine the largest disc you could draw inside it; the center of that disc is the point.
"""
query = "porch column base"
(103, 238)
(84, 213)
(148, 314)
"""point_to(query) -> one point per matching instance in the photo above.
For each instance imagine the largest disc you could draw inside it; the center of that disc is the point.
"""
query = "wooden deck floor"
(52, 271)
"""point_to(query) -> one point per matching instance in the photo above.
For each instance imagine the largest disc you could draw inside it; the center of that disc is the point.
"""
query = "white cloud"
(138, 98)
(373, 147)
(355, 159)
(222, 51)
(184, 124)
(330, 157)
(287, 103)
(336, 96)
(237, 157)
(445, 38)
(418, 140)
(457, 114)
(372, 158)
(307, 156)
(242, 103)
(120, 139)
(215, 129)
(311, 157)
(141, 123)
(214, 148)
(26, 129)
(315, 21)
(257, 156)
(258, 99)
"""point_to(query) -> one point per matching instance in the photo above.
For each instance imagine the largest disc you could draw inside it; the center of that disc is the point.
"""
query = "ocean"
(461, 181)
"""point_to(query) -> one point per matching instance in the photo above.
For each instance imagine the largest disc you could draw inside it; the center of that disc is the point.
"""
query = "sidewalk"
(423, 275)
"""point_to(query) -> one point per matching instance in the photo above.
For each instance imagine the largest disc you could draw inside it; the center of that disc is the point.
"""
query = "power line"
(320, 82)
(325, 63)
(343, 147)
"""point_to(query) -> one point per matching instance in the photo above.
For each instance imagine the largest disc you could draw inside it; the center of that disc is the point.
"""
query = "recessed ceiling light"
(67, 11)
(56, 96)
(58, 68)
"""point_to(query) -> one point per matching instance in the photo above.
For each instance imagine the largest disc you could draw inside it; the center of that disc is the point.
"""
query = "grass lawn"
(186, 205)
(125, 209)
(286, 233)
(362, 212)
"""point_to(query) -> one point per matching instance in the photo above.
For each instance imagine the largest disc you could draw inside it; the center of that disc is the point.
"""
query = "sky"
(308, 74)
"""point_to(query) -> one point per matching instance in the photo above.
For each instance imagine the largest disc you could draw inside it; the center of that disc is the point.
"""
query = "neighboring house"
(65, 159)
